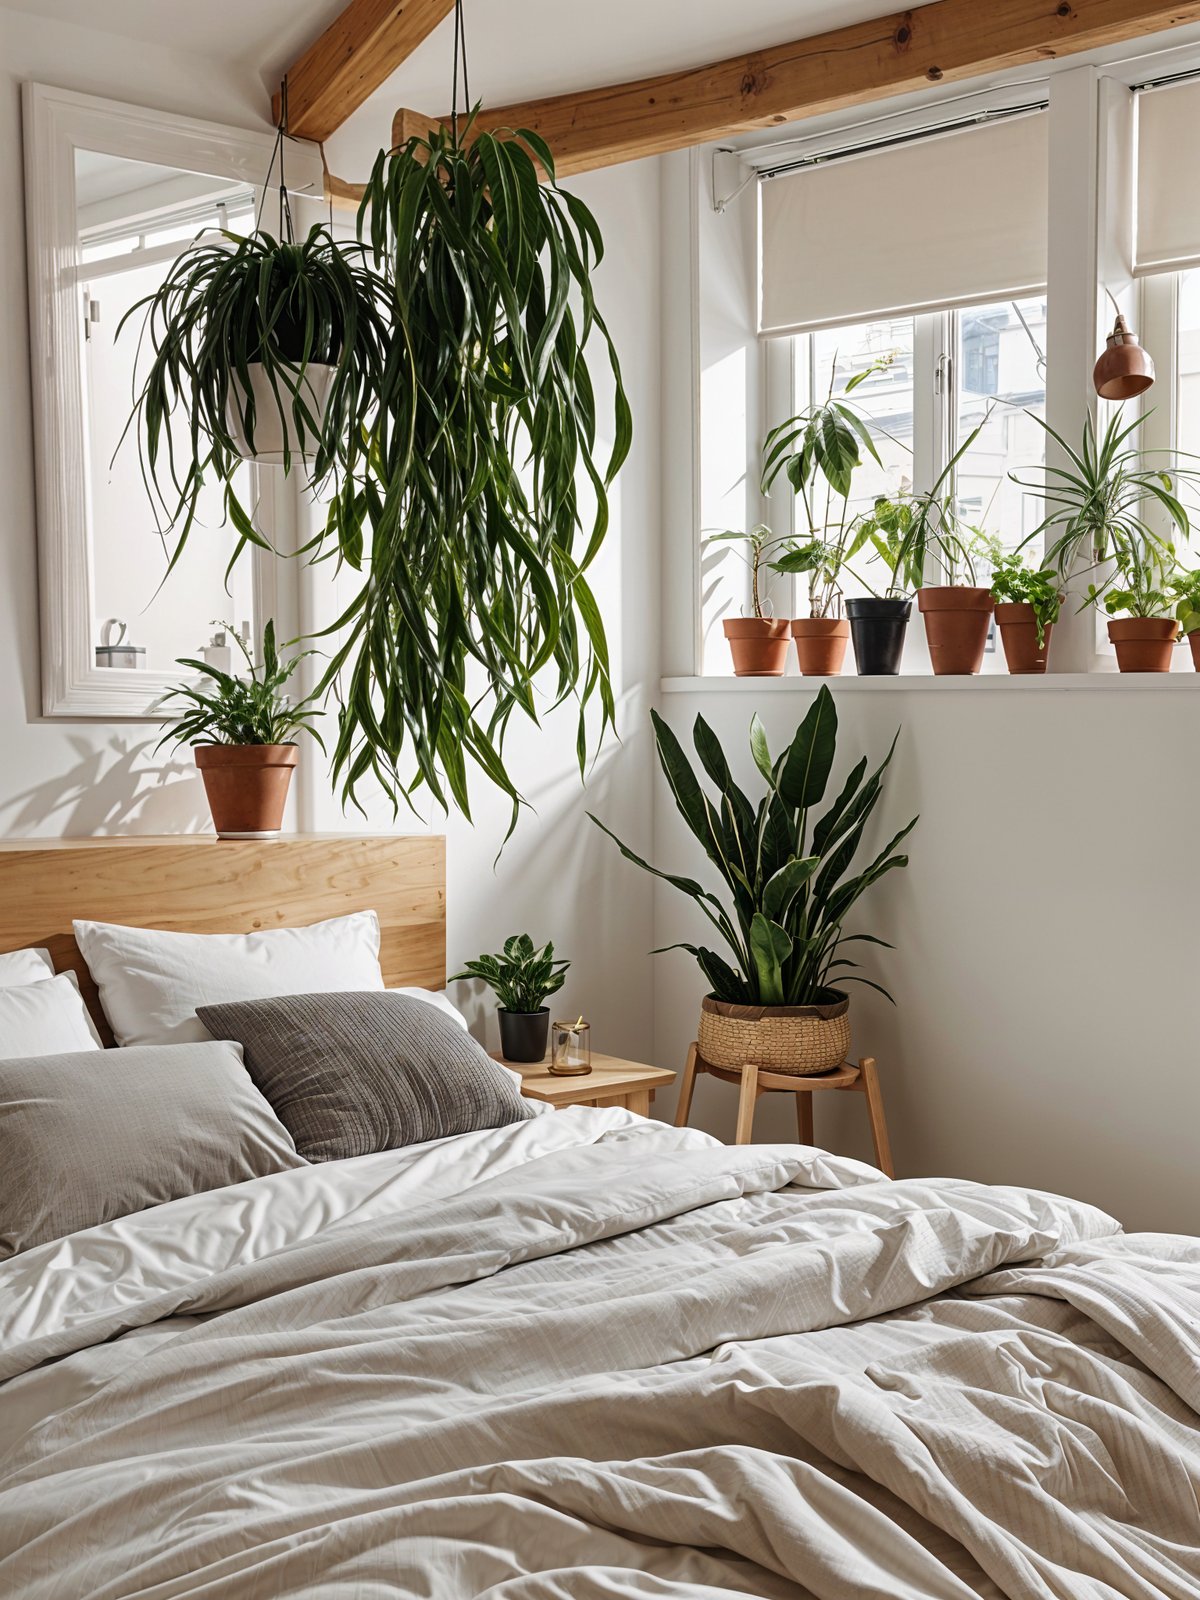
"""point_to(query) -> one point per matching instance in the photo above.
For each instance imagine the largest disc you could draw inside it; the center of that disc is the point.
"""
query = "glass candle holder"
(571, 1048)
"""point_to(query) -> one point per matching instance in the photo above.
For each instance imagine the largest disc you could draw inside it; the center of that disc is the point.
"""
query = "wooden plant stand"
(755, 1081)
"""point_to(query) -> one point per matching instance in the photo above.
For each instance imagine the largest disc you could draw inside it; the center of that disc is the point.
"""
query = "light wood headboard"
(198, 884)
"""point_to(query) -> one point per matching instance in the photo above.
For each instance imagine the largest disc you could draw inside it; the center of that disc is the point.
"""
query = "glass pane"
(884, 400)
(1000, 365)
(1188, 375)
(129, 214)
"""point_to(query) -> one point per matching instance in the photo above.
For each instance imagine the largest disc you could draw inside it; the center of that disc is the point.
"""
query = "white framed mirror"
(114, 193)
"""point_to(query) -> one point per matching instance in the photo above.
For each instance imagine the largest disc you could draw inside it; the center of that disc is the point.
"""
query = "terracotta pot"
(820, 645)
(799, 1040)
(1143, 644)
(759, 645)
(1017, 622)
(1193, 640)
(247, 786)
(956, 626)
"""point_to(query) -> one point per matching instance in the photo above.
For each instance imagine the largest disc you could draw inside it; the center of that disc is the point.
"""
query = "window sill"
(927, 683)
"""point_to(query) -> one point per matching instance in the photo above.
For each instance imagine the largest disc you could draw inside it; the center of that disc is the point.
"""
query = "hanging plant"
(476, 559)
(262, 347)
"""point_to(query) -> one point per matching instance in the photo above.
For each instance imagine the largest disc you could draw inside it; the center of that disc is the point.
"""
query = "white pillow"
(47, 1018)
(151, 982)
(25, 966)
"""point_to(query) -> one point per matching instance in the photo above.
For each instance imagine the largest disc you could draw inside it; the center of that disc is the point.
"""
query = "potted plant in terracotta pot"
(241, 730)
(818, 451)
(1138, 600)
(522, 977)
(1115, 510)
(1185, 589)
(788, 883)
(758, 643)
(1028, 604)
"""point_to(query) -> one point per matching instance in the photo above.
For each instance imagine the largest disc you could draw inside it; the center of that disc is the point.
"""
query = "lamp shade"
(1125, 368)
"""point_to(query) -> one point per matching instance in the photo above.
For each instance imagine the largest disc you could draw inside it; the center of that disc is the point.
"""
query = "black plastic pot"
(523, 1034)
(877, 628)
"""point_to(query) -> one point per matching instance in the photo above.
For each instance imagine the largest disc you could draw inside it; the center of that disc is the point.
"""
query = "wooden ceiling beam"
(907, 50)
(355, 55)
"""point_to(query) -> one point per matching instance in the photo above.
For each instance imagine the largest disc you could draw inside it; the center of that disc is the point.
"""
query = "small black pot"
(877, 628)
(523, 1034)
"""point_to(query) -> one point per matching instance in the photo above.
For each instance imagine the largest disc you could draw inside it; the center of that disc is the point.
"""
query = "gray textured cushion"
(98, 1134)
(349, 1074)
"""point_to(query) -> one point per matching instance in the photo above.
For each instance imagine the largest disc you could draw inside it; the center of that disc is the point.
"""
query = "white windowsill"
(926, 683)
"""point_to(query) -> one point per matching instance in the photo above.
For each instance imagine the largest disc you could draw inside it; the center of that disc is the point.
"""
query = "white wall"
(86, 777)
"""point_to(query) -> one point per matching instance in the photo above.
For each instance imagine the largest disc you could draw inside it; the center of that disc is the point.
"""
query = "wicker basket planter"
(801, 1040)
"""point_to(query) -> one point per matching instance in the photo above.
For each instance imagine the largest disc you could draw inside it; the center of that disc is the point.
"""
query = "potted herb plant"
(789, 883)
(522, 978)
(1107, 504)
(758, 643)
(818, 451)
(241, 729)
(1028, 604)
(290, 354)
(1185, 589)
(879, 623)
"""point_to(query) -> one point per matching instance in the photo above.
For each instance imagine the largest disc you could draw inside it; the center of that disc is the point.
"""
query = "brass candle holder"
(570, 1048)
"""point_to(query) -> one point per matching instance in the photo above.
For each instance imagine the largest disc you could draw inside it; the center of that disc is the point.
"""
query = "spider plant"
(818, 451)
(230, 303)
(786, 871)
(476, 559)
(1102, 502)
(243, 709)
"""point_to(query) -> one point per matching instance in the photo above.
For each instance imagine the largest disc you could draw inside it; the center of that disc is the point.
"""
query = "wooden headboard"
(198, 884)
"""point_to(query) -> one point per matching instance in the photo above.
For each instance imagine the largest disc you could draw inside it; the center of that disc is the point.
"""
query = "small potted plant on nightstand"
(522, 978)
(241, 732)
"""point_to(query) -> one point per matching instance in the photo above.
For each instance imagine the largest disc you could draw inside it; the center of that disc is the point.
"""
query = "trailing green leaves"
(787, 875)
(478, 550)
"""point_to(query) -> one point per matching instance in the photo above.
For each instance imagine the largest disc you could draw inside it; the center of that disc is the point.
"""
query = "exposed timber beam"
(907, 50)
(357, 53)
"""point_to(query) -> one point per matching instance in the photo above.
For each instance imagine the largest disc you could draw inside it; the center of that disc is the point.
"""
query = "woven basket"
(799, 1040)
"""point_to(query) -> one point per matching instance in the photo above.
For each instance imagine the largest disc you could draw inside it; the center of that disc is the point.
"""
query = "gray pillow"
(349, 1074)
(98, 1134)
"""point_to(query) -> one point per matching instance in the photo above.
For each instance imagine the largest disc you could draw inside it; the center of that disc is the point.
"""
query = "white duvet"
(589, 1355)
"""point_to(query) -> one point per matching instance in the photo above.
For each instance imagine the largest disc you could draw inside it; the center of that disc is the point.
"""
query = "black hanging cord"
(460, 47)
(277, 154)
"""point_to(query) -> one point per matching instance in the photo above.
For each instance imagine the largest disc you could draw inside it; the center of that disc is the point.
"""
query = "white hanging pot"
(272, 431)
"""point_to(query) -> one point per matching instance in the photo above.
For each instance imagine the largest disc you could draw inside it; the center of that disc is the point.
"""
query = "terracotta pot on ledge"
(247, 786)
(956, 626)
(759, 645)
(1144, 644)
(1017, 622)
(821, 645)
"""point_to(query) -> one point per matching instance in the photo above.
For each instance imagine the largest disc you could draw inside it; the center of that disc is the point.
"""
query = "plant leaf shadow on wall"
(111, 788)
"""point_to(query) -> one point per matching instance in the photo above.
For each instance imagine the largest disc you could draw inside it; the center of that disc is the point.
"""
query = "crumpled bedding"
(593, 1356)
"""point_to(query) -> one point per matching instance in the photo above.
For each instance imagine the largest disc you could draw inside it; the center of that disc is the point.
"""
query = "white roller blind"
(1167, 231)
(950, 220)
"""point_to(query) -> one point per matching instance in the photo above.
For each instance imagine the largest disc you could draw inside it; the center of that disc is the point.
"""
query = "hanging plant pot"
(758, 645)
(798, 1040)
(877, 628)
(279, 437)
(956, 627)
(247, 787)
(1017, 622)
(1144, 644)
(821, 645)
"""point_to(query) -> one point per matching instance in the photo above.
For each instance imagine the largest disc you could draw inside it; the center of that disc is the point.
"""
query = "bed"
(582, 1355)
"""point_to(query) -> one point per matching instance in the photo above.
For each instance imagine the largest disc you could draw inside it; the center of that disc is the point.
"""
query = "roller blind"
(1167, 232)
(956, 219)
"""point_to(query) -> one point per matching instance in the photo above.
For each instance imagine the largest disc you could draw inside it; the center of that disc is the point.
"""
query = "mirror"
(114, 194)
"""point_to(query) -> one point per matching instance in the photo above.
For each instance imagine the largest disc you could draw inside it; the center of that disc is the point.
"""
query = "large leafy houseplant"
(788, 871)
(475, 545)
(253, 335)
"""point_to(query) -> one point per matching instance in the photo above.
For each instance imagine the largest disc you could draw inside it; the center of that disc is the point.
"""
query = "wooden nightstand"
(611, 1082)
